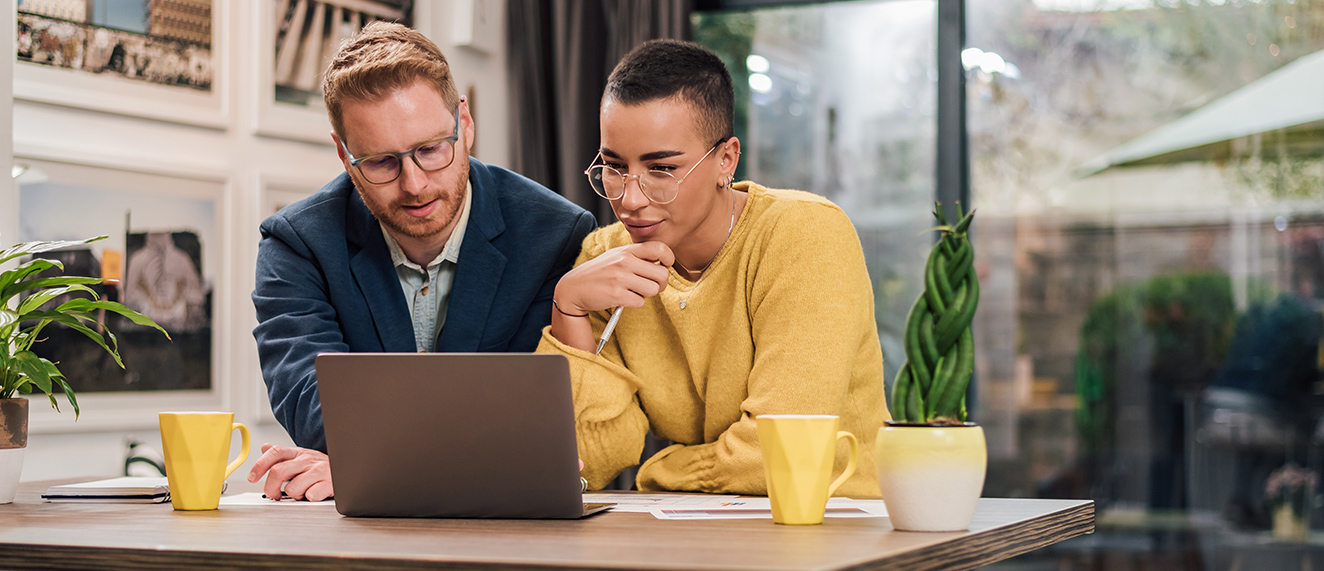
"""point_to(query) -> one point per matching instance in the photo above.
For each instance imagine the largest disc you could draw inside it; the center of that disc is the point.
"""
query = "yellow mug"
(196, 445)
(798, 450)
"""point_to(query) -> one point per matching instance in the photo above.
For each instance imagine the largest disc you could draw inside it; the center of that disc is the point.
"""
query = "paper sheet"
(258, 499)
(760, 508)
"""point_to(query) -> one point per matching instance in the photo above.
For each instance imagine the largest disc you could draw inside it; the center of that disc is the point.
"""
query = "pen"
(606, 331)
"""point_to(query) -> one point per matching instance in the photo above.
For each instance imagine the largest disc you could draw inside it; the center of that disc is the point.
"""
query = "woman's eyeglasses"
(658, 185)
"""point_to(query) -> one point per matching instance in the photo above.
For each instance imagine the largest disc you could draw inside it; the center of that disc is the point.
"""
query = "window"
(1149, 176)
(839, 100)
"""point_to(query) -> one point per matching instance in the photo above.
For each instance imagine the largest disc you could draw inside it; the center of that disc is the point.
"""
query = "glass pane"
(838, 99)
(1151, 213)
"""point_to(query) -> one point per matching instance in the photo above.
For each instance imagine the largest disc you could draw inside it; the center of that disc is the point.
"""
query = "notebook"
(130, 490)
(458, 435)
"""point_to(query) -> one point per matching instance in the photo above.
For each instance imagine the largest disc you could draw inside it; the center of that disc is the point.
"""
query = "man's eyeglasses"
(658, 185)
(430, 156)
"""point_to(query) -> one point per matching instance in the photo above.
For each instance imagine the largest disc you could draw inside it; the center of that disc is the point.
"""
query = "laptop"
(453, 435)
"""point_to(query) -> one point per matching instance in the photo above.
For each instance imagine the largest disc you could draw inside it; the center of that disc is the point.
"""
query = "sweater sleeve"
(810, 307)
(610, 424)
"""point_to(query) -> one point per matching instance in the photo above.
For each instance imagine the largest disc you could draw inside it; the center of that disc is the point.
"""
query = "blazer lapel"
(376, 278)
(477, 277)
(478, 271)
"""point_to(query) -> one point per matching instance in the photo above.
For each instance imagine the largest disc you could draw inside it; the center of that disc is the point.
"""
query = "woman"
(739, 300)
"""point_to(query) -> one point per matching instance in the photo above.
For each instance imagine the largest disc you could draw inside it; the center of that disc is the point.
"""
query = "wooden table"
(36, 534)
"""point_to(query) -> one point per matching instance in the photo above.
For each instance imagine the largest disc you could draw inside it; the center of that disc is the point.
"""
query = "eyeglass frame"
(642, 188)
(453, 139)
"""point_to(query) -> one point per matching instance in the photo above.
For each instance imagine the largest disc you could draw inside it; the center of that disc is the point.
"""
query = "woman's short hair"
(382, 57)
(659, 69)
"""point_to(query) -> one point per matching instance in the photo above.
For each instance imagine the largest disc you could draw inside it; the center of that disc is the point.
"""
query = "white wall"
(8, 216)
(252, 169)
(485, 71)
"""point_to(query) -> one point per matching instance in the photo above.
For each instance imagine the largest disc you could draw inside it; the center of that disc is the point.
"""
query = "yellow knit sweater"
(782, 322)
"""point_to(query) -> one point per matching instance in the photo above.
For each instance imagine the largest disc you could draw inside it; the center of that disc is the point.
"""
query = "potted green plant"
(26, 299)
(931, 461)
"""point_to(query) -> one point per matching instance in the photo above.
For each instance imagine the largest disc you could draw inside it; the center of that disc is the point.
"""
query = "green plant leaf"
(68, 392)
(29, 365)
(16, 275)
(24, 340)
(78, 326)
(87, 305)
(10, 381)
(27, 248)
(7, 317)
(20, 287)
(36, 300)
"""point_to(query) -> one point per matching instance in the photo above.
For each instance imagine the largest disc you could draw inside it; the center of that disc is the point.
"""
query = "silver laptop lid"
(486, 435)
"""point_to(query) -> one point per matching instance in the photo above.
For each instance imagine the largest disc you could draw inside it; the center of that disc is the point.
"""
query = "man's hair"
(660, 69)
(382, 57)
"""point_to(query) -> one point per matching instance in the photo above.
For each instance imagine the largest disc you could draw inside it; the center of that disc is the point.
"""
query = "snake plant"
(930, 387)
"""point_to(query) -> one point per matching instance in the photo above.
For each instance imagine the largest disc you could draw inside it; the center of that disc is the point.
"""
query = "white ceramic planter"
(11, 467)
(931, 476)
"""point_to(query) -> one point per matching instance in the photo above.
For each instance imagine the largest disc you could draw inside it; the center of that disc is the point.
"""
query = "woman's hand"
(624, 276)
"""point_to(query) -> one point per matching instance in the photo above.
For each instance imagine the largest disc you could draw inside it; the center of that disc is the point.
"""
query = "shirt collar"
(449, 253)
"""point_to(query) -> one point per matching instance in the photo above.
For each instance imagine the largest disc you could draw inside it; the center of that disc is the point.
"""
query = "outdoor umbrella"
(1288, 102)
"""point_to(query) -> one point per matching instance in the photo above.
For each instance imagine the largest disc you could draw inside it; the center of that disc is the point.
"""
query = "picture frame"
(111, 92)
(295, 40)
(279, 193)
(177, 223)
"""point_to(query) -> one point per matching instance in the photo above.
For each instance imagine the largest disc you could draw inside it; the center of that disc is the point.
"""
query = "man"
(416, 247)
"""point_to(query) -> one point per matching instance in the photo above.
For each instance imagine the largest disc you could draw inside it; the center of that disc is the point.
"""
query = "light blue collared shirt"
(428, 291)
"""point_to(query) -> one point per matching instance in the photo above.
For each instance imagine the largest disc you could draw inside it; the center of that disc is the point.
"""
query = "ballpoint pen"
(606, 331)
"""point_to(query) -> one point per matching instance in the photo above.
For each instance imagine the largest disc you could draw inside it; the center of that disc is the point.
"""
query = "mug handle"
(243, 450)
(850, 463)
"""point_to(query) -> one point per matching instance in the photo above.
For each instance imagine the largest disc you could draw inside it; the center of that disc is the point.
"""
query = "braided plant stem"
(930, 387)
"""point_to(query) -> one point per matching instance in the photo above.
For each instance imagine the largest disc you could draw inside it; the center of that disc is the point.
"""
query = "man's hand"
(305, 473)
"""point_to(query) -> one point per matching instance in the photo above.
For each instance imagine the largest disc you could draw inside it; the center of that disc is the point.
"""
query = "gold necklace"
(719, 249)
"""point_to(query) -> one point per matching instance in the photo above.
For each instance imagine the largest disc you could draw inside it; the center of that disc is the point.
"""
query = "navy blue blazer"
(325, 283)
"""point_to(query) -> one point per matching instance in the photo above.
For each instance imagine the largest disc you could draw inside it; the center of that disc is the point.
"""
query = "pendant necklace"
(719, 250)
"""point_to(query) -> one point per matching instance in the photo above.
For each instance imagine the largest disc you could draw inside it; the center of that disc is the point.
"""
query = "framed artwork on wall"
(163, 60)
(165, 251)
(296, 40)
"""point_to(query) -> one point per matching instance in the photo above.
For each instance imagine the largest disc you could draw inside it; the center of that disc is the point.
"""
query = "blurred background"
(1149, 179)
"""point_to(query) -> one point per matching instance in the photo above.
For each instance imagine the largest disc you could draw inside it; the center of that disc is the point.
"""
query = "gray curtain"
(561, 52)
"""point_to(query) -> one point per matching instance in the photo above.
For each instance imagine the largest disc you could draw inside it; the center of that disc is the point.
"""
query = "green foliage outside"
(1172, 329)
(731, 37)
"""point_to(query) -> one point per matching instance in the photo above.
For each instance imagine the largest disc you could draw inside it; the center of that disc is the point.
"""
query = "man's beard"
(396, 220)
